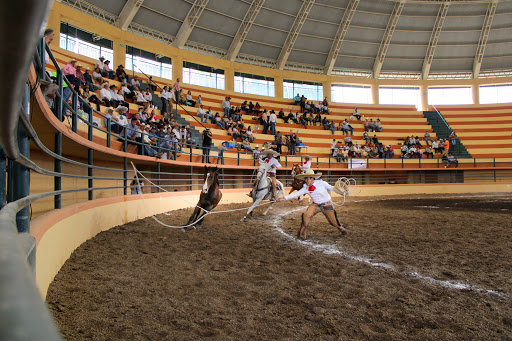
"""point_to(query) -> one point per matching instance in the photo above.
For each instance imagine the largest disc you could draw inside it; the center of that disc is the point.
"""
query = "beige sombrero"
(307, 157)
(306, 175)
(274, 153)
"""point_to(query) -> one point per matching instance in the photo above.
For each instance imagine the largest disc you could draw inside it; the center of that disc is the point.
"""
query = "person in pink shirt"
(69, 72)
(177, 89)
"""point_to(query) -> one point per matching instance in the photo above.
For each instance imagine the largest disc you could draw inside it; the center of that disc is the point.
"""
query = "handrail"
(439, 113)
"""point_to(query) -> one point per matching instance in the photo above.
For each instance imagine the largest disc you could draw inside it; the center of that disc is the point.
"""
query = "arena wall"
(59, 232)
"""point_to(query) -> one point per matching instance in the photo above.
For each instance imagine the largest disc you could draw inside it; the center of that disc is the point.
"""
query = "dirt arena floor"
(415, 268)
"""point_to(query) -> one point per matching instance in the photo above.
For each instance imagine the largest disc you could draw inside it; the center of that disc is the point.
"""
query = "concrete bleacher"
(398, 121)
(485, 130)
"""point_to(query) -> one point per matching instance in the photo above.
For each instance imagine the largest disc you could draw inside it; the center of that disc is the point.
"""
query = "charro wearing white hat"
(306, 165)
(271, 165)
(318, 190)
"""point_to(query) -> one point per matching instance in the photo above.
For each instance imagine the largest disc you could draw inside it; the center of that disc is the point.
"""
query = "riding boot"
(273, 189)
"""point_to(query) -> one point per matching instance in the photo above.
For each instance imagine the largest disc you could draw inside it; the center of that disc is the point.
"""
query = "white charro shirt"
(318, 191)
(306, 166)
(270, 163)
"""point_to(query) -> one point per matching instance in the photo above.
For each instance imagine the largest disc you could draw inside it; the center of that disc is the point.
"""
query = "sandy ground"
(416, 268)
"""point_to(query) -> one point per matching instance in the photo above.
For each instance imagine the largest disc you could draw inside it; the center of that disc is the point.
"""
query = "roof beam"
(244, 29)
(340, 36)
(484, 35)
(434, 38)
(294, 33)
(386, 39)
(190, 21)
(129, 10)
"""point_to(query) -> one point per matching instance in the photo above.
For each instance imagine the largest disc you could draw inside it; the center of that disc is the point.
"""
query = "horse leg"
(192, 217)
(201, 216)
(278, 194)
(249, 212)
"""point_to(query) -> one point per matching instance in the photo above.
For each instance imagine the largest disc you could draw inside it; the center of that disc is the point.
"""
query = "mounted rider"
(306, 165)
(270, 164)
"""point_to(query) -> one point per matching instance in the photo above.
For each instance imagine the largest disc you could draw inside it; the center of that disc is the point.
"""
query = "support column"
(229, 79)
(326, 86)
(278, 86)
(375, 94)
(21, 174)
(424, 97)
(119, 47)
(3, 177)
(475, 89)
(177, 68)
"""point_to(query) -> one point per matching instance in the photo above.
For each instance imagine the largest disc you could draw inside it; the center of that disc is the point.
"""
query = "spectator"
(107, 71)
(69, 72)
(347, 127)
(121, 75)
(134, 83)
(405, 151)
(220, 155)
(136, 187)
(302, 103)
(226, 105)
(333, 146)
(90, 97)
(247, 145)
(427, 139)
(49, 34)
(113, 96)
(148, 97)
(207, 145)
(296, 100)
(292, 143)
(219, 122)
(429, 152)
(278, 141)
(88, 80)
(272, 119)
(177, 89)
(202, 114)
(106, 96)
(356, 114)
(450, 159)
(336, 153)
(348, 140)
(371, 125)
(190, 101)
(375, 140)
(100, 64)
(96, 75)
(366, 125)
(378, 127)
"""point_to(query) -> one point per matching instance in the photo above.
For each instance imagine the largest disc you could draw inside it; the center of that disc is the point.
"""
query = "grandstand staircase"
(196, 134)
(443, 131)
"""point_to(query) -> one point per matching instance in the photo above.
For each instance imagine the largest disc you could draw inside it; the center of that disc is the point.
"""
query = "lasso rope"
(345, 187)
(206, 212)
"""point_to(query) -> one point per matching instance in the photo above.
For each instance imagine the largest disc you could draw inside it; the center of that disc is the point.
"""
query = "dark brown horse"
(296, 183)
(209, 198)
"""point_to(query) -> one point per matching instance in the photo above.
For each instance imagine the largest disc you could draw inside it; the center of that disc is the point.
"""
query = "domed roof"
(412, 39)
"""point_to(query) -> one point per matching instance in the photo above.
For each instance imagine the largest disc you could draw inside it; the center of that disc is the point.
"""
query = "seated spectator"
(202, 114)
(378, 127)
(246, 145)
(435, 147)
(113, 96)
(107, 71)
(356, 114)
(333, 146)
(121, 75)
(120, 98)
(429, 152)
(257, 108)
(199, 100)
(356, 150)
(128, 93)
(148, 97)
(182, 98)
(88, 80)
(296, 99)
(250, 135)
(366, 125)
(348, 140)
(134, 83)
(189, 100)
(344, 154)
(219, 122)
(88, 98)
(450, 159)
(96, 75)
(347, 127)
(426, 138)
(100, 63)
(336, 153)
(405, 151)
(366, 137)
(106, 96)
(371, 125)
(375, 140)
(256, 152)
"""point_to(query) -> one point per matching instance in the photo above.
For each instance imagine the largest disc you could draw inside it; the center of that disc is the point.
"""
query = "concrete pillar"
(119, 47)
(475, 89)
(327, 90)
(424, 97)
(278, 86)
(375, 94)
(177, 68)
(229, 79)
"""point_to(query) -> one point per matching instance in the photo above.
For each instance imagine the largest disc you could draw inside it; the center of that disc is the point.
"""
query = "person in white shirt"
(148, 96)
(106, 95)
(266, 159)
(202, 114)
(100, 63)
(272, 119)
(306, 166)
(318, 190)
(226, 105)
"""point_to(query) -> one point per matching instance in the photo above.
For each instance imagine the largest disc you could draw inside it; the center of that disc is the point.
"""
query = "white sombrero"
(306, 157)
(308, 175)
(274, 153)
